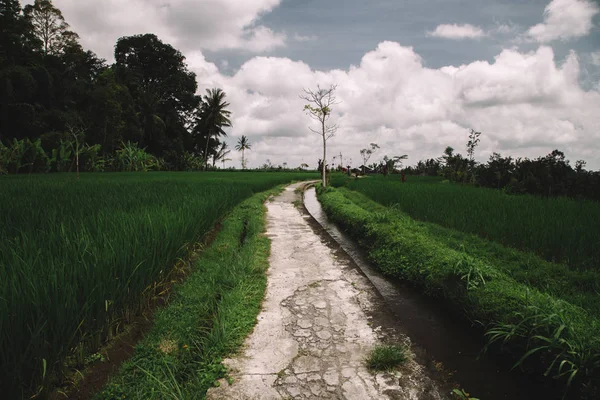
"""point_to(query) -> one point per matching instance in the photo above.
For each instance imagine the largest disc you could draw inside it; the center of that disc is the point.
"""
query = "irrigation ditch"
(447, 345)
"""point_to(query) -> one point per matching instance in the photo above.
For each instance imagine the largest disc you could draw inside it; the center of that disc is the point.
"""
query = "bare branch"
(319, 106)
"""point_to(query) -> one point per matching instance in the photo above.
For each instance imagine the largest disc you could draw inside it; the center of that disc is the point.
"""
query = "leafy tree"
(471, 145)
(319, 108)
(163, 89)
(367, 153)
(397, 160)
(213, 116)
(17, 41)
(49, 26)
(153, 126)
(111, 114)
(243, 144)
(429, 167)
(497, 173)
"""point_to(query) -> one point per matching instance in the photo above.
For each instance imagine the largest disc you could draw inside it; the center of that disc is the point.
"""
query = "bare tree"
(78, 134)
(319, 108)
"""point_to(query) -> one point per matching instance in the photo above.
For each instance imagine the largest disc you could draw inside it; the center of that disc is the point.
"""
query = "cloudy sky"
(411, 75)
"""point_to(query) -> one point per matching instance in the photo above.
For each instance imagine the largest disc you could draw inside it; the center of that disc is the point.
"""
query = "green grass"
(580, 288)
(539, 327)
(386, 357)
(557, 229)
(210, 315)
(77, 258)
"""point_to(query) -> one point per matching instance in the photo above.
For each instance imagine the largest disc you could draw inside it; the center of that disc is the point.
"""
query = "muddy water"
(438, 339)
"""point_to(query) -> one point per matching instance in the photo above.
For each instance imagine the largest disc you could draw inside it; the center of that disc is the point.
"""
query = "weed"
(462, 395)
(386, 357)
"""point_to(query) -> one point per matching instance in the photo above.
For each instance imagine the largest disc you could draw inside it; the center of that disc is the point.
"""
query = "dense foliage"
(525, 306)
(76, 256)
(557, 229)
(550, 176)
(52, 90)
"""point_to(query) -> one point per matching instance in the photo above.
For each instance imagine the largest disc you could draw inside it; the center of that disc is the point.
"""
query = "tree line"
(62, 107)
(550, 175)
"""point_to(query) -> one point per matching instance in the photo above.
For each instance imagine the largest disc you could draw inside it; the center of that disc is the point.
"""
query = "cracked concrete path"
(314, 331)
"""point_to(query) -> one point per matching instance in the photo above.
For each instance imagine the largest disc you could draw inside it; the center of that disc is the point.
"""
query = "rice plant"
(557, 229)
(76, 256)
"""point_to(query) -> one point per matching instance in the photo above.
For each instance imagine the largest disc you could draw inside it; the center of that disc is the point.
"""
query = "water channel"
(436, 335)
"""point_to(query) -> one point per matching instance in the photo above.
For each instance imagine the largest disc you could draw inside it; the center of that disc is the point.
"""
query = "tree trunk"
(323, 166)
(243, 163)
(206, 152)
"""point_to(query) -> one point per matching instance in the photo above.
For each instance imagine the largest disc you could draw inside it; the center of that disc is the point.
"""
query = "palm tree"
(221, 153)
(399, 159)
(213, 117)
(223, 160)
(242, 145)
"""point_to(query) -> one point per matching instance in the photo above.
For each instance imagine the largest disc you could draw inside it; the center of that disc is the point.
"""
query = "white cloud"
(526, 104)
(188, 25)
(595, 58)
(455, 31)
(261, 39)
(300, 38)
(564, 19)
(507, 28)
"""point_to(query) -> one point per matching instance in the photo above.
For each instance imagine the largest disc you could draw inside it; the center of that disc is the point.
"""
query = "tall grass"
(557, 229)
(540, 329)
(208, 317)
(76, 256)
(579, 288)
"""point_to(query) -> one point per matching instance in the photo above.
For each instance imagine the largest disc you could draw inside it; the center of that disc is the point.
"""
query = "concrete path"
(315, 330)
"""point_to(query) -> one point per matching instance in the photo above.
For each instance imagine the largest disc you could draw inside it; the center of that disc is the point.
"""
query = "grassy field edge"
(541, 332)
(210, 315)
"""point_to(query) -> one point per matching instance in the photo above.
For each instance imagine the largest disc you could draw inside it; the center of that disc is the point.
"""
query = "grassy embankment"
(210, 315)
(79, 258)
(546, 313)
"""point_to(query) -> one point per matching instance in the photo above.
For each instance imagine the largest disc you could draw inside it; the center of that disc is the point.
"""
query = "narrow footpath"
(316, 327)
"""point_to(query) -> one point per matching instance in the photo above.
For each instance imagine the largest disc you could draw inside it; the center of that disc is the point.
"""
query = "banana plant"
(36, 157)
(90, 160)
(17, 153)
(4, 157)
(61, 157)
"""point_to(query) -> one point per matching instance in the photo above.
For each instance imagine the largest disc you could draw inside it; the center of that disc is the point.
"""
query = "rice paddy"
(79, 258)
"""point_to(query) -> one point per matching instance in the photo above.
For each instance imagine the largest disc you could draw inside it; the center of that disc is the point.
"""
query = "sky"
(413, 76)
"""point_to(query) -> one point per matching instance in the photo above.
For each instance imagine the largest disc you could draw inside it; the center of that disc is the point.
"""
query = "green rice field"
(78, 258)
(557, 229)
(524, 268)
